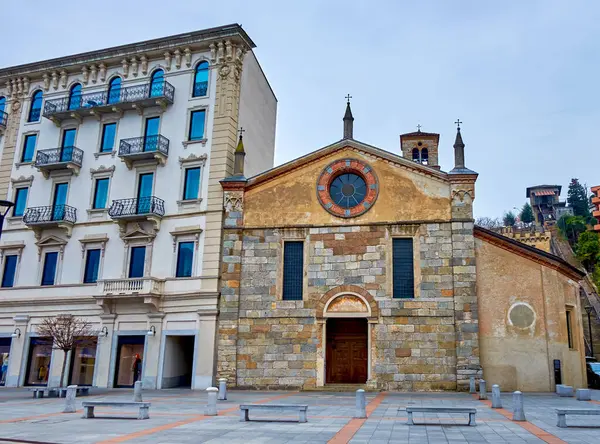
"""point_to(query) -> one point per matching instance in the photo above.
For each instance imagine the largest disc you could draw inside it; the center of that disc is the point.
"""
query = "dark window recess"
(403, 273)
(293, 270)
(569, 330)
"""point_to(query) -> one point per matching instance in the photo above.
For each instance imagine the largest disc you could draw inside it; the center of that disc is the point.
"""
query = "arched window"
(75, 97)
(114, 90)
(157, 83)
(415, 155)
(2, 104)
(201, 80)
(424, 156)
(35, 109)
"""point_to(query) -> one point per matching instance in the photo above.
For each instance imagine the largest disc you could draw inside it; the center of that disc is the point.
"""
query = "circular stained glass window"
(348, 190)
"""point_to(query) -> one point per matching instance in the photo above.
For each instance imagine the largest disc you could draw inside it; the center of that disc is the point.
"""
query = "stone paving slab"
(177, 416)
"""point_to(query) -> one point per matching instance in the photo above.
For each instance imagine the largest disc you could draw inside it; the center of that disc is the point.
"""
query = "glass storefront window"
(4, 354)
(129, 360)
(38, 366)
(83, 360)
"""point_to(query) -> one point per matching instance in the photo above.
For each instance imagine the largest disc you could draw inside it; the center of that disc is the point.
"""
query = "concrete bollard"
(496, 400)
(558, 388)
(70, 399)
(361, 404)
(584, 394)
(482, 389)
(518, 409)
(211, 402)
(565, 391)
(472, 386)
(137, 391)
(222, 389)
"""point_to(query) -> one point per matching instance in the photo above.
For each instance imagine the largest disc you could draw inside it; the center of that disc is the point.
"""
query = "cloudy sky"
(523, 76)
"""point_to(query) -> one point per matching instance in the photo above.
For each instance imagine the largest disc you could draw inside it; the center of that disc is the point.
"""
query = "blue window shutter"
(293, 270)
(49, 273)
(185, 259)
(403, 272)
(92, 265)
(10, 268)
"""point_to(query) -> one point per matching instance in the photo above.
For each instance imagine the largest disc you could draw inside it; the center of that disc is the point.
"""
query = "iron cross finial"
(419, 127)
(348, 97)
(458, 122)
(241, 131)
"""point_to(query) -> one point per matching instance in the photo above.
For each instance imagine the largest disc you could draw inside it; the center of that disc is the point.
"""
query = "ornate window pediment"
(137, 233)
(51, 241)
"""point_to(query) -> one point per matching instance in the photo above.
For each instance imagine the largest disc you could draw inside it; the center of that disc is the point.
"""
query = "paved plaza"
(177, 416)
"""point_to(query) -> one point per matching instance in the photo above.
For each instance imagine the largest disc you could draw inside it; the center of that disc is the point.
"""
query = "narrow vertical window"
(20, 201)
(201, 80)
(109, 132)
(569, 329)
(67, 144)
(10, 268)
(185, 259)
(403, 273)
(101, 193)
(2, 104)
(28, 147)
(92, 265)
(35, 109)
(114, 90)
(75, 97)
(197, 119)
(293, 270)
(49, 270)
(416, 156)
(157, 83)
(192, 183)
(137, 261)
(425, 156)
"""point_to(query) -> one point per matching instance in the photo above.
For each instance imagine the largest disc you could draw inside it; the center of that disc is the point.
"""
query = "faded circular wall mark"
(521, 315)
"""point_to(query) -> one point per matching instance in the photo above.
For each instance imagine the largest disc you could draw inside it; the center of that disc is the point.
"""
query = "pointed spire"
(240, 154)
(459, 148)
(348, 120)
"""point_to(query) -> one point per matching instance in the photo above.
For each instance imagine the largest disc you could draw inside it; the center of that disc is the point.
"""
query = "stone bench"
(39, 392)
(301, 409)
(470, 410)
(143, 413)
(562, 414)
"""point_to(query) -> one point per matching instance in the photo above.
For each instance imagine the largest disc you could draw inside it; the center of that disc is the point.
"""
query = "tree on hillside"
(577, 198)
(527, 214)
(571, 227)
(488, 222)
(587, 249)
(509, 219)
(66, 333)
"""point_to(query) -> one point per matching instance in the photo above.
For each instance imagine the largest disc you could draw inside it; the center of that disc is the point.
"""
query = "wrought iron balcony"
(144, 148)
(3, 120)
(149, 208)
(119, 100)
(54, 216)
(68, 157)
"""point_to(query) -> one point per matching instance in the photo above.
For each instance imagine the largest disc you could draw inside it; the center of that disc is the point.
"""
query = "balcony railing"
(109, 99)
(143, 206)
(3, 119)
(54, 156)
(49, 215)
(143, 285)
(147, 144)
(200, 89)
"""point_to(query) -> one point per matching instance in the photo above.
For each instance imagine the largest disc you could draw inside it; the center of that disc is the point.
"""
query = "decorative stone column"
(16, 102)
(205, 354)
(17, 348)
(152, 351)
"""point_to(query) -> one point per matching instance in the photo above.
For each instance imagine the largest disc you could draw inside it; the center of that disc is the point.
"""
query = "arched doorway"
(346, 339)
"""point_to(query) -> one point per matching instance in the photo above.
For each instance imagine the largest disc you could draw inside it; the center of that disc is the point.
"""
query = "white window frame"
(211, 66)
(186, 234)
(59, 263)
(100, 173)
(21, 182)
(11, 249)
(61, 133)
(188, 124)
(63, 178)
(112, 153)
(92, 242)
(20, 163)
(192, 161)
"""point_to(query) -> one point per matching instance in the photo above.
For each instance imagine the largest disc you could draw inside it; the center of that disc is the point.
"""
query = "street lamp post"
(588, 310)
(5, 205)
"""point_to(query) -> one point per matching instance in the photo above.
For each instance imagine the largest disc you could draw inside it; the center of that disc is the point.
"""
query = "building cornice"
(153, 47)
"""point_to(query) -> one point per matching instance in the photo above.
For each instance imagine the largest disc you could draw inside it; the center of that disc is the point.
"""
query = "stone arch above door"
(347, 300)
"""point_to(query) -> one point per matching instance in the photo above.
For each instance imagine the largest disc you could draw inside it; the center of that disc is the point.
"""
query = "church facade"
(355, 265)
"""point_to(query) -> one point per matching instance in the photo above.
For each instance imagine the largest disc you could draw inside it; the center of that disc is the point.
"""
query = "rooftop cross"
(241, 131)
(348, 97)
(419, 127)
(458, 122)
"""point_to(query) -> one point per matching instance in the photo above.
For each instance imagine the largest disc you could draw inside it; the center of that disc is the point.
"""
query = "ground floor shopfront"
(164, 350)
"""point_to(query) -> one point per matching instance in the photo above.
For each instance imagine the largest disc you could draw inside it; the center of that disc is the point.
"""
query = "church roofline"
(420, 134)
(341, 144)
(535, 254)
(158, 44)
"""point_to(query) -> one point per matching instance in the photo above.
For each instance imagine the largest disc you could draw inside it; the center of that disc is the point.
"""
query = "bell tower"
(421, 147)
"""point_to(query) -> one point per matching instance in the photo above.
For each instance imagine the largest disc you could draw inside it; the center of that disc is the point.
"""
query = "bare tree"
(488, 222)
(66, 333)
